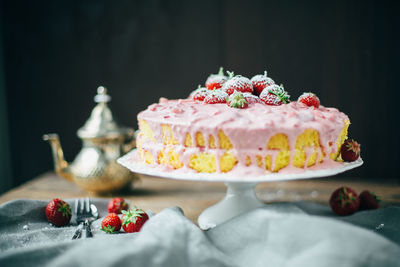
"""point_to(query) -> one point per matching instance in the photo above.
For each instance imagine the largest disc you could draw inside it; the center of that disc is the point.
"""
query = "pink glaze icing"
(248, 129)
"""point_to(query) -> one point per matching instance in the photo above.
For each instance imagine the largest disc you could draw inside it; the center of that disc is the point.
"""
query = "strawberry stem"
(221, 71)
(230, 74)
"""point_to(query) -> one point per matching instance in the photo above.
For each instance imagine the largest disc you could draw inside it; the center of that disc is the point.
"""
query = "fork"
(84, 215)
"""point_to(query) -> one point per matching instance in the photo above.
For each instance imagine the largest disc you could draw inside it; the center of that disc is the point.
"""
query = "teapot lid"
(101, 122)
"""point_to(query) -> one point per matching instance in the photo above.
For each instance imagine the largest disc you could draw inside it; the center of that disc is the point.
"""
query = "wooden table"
(193, 197)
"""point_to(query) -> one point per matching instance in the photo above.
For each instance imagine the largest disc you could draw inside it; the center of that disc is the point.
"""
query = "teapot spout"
(60, 165)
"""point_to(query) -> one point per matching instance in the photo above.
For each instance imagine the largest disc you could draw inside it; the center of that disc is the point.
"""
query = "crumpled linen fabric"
(280, 234)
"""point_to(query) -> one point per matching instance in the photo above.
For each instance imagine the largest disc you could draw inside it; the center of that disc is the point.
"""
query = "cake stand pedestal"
(240, 195)
(239, 198)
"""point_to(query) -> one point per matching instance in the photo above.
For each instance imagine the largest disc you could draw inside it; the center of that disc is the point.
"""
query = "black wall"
(56, 53)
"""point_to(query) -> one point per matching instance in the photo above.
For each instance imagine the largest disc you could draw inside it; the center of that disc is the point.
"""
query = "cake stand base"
(239, 198)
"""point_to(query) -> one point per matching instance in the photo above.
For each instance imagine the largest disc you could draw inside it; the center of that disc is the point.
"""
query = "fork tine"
(82, 206)
(76, 206)
(87, 205)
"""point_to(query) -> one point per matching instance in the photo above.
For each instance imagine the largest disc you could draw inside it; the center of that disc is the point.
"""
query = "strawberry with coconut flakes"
(133, 220)
(58, 212)
(111, 224)
(199, 94)
(237, 100)
(116, 205)
(350, 150)
(237, 83)
(260, 82)
(251, 99)
(215, 81)
(274, 95)
(216, 97)
(344, 201)
(309, 99)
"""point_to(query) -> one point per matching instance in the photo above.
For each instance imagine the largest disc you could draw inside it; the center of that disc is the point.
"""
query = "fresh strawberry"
(309, 99)
(58, 212)
(237, 100)
(215, 97)
(350, 150)
(344, 201)
(368, 200)
(274, 95)
(116, 205)
(237, 83)
(260, 81)
(215, 81)
(199, 94)
(133, 220)
(111, 223)
(251, 99)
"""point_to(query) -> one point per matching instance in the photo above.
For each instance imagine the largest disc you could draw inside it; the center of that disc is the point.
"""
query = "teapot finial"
(102, 96)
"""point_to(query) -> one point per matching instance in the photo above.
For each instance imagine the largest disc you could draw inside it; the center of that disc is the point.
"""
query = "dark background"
(56, 53)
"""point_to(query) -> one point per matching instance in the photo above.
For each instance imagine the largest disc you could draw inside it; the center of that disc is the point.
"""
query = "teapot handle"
(130, 141)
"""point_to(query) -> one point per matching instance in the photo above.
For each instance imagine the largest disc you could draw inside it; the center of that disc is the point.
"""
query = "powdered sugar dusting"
(216, 95)
(199, 94)
(238, 83)
(262, 80)
(251, 99)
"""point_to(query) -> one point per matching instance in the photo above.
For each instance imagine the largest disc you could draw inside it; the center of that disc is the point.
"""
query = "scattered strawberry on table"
(58, 212)
(344, 201)
(133, 220)
(350, 150)
(111, 224)
(216, 81)
(368, 200)
(309, 99)
(117, 205)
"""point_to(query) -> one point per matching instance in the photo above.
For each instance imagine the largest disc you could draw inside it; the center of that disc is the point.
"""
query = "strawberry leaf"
(131, 216)
(64, 209)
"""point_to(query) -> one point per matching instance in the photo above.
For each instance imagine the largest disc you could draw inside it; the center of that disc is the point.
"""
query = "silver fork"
(85, 213)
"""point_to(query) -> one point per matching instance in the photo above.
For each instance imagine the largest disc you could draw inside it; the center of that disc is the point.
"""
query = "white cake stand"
(240, 195)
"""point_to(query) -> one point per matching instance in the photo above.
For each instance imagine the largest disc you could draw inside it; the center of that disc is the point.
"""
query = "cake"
(234, 130)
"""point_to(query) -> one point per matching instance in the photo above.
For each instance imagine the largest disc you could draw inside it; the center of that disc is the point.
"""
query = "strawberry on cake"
(241, 126)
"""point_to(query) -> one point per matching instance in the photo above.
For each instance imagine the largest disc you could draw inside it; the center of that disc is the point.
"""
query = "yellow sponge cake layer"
(186, 134)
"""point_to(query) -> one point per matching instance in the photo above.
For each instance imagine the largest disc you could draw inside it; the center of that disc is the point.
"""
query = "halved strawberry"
(237, 100)
(215, 97)
(199, 94)
(274, 95)
(309, 99)
(111, 223)
(215, 81)
(344, 201)
(237, 83)
(260, 82)
(350, 150)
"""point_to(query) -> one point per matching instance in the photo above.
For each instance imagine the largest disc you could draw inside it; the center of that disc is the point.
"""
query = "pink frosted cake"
(241, 126)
